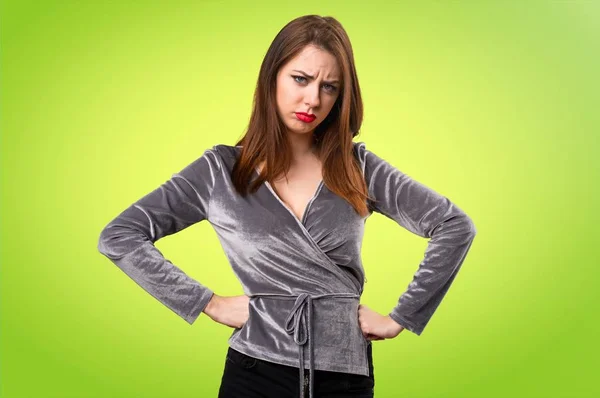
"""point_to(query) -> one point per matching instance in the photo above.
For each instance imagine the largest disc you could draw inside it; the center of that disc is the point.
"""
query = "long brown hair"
(266, 139)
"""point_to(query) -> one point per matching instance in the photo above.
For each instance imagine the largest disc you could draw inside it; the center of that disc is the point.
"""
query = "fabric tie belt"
(299, 323)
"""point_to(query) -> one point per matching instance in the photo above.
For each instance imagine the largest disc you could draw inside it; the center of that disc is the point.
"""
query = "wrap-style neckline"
(306, 210)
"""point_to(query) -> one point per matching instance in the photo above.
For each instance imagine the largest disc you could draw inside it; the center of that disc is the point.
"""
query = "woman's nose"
(312, 99)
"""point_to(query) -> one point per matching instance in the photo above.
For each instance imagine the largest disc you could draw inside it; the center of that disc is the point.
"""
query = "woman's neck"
(303, 145)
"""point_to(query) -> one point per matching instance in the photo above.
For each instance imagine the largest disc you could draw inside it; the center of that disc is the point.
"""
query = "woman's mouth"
(306, 118)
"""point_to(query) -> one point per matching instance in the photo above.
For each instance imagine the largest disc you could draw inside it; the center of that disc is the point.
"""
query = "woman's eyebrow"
(313, 78)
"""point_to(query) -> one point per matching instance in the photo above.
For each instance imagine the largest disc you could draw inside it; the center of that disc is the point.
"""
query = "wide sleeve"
(428, 214)
(128, 240)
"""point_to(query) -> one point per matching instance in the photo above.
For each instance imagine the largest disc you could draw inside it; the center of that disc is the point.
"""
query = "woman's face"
(308, 83)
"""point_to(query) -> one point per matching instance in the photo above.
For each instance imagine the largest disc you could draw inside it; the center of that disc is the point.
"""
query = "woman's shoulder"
(225, 152)
(360, 152)
(359, 148)
(225, 149)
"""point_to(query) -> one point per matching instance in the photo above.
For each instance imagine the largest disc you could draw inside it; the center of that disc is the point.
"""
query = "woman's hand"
(376, 326)
(230, 311)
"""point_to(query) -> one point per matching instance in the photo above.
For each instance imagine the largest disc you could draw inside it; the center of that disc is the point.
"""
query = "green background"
(493, 104)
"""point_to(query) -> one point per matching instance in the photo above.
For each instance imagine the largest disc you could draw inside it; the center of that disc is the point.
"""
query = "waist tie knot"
(299, 324)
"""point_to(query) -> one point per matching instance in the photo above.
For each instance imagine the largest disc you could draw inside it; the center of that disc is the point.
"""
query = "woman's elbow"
(116, 241)
(104, 245)
(470, 227)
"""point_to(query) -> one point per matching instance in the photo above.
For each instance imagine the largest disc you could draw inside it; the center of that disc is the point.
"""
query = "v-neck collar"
(302, 220)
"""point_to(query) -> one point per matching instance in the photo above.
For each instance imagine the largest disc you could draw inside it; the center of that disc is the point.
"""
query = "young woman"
(289, 202)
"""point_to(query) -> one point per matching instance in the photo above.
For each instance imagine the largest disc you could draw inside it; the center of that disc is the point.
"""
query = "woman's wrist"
(395, 327)
(211, 308)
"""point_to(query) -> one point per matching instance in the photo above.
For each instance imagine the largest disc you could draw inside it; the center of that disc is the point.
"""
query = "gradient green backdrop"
(493, 104)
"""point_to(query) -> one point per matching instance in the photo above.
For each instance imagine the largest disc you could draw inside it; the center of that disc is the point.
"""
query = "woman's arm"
(128, 240)
(428, 214)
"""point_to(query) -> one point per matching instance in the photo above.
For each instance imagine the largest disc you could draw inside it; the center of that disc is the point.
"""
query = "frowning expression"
(309, 83)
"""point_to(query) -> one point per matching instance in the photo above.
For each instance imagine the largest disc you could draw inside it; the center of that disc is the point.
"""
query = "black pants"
(248, 377)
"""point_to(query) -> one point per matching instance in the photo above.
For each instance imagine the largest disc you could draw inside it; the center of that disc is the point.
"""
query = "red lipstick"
(305, 117)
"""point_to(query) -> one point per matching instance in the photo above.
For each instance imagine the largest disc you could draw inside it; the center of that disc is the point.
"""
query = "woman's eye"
(299, 77)
(331, 88)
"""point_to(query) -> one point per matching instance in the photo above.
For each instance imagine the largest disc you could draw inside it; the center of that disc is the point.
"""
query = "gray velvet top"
(304, 277)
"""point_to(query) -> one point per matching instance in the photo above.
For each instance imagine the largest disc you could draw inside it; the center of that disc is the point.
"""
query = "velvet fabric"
(304, 276)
